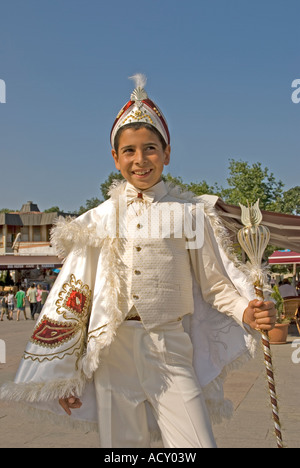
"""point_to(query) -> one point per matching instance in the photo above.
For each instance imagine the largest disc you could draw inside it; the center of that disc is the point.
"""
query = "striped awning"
(284, 257)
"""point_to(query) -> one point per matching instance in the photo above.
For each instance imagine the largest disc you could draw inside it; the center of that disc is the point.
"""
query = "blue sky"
(221, 71)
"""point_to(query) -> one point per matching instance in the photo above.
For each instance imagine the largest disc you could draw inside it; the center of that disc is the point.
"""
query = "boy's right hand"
(70, 403)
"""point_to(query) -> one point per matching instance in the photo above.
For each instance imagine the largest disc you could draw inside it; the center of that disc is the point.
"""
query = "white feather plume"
(139, 79)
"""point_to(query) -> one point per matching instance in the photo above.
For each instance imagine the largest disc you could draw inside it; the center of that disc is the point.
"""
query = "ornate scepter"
(254, 239)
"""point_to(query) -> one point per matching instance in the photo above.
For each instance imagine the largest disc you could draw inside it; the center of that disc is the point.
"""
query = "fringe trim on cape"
(42, 392)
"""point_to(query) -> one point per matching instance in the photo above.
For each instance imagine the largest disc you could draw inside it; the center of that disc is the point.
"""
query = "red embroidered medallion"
(76, 302)
(75, 297)
(73, 307)
(49, 333)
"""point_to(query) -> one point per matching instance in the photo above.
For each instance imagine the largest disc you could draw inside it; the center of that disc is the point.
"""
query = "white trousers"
(154, 367)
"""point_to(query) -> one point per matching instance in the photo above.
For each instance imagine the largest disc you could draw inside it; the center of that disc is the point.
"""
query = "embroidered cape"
(65, 347)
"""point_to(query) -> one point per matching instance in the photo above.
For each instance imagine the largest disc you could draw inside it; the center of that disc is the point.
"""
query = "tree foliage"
(5, 210)
(89, 205)
(53, 209)
(290, 202)
(250, 183)
(106, 185)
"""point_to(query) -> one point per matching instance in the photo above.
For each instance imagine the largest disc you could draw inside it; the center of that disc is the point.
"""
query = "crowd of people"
(10, 302)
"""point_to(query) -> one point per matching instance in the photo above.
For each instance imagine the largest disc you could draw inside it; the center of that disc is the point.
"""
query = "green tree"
(250, 183)
(106, 185)
(54, 209)
(290, 202)
(198, 188)
(90, 204)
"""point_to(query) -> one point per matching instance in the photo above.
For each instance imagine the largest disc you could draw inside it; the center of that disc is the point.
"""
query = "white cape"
(55, 358)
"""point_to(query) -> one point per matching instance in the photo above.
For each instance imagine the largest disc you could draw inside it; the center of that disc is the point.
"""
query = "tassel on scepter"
(254, 238)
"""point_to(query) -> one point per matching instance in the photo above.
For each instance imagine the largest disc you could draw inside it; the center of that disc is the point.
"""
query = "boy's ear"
(116, 159)
(167, 155)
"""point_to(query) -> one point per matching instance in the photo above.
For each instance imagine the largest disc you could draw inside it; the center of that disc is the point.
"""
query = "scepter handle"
(269, 370)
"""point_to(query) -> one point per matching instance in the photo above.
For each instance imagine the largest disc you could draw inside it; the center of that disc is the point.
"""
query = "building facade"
(25, 239)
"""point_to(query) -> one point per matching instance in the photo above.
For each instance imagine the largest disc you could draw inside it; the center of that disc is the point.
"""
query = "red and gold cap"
(140, 109)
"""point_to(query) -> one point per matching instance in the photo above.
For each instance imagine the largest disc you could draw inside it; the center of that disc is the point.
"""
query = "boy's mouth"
(142, 173)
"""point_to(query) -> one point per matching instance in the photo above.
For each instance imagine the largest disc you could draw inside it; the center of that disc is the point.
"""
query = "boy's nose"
(139, 157)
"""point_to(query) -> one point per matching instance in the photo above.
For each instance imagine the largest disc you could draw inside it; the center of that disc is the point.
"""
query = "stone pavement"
(250, 427)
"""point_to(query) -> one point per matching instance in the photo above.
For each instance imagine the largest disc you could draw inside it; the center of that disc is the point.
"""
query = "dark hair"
(137, 126)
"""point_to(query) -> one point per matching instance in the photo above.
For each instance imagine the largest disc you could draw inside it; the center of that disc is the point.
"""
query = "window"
(36, 234)
(25, 234)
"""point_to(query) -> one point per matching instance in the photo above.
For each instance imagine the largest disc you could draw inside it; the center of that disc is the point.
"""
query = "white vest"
(159, 280)
(156, 259)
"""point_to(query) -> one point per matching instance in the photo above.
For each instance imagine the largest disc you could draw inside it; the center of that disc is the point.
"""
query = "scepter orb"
(254, 237)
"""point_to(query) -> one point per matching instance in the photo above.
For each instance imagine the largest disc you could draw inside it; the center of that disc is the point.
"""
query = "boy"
(148, 311)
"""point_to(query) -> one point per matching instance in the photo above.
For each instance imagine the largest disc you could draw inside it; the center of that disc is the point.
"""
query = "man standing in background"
(20, 298)
(31, 296)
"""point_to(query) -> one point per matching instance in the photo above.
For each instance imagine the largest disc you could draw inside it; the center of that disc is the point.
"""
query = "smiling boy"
(140, 155)
(155, 323)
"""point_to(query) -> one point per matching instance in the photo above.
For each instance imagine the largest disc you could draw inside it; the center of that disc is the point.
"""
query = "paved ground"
(250, 427)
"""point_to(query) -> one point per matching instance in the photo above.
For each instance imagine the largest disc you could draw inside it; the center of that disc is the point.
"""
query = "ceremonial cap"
(140, 109)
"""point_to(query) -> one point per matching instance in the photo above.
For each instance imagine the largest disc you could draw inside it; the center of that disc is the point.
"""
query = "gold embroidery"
(74, 306)
(138, 115)
(51, 334)
(93, 333)
(75, 297)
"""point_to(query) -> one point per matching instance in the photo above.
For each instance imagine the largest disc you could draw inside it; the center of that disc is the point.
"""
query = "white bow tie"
(133, 195)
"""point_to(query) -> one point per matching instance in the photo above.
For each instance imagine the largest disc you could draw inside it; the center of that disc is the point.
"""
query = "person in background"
(45, 294)
(11, 304)
(31, 296)
(39, 299)
(286, 289)
(4, 306)
(20, 298)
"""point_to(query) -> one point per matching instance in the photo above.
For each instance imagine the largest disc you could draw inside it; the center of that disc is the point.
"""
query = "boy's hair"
(137, 126)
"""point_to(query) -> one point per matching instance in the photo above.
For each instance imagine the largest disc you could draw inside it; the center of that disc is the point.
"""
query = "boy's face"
(141, 157)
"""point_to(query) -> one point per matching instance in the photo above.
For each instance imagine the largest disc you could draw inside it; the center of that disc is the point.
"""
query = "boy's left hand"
(260, 315)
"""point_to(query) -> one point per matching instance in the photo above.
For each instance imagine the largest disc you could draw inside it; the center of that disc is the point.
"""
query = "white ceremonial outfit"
(114, 270)
(152, 360)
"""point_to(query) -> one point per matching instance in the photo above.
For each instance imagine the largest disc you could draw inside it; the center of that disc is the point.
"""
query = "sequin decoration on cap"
(140, 109)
